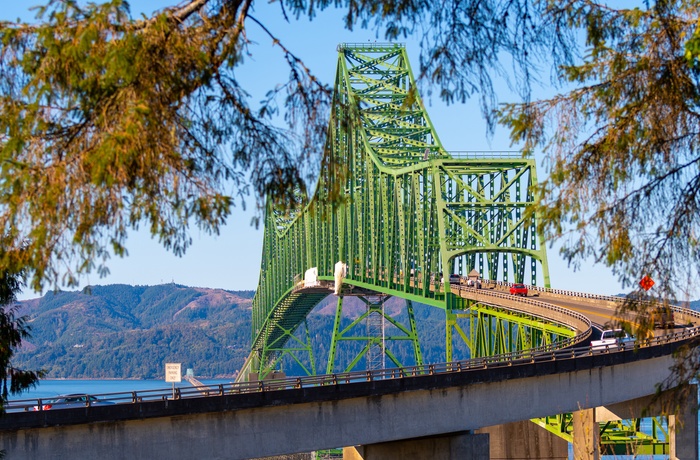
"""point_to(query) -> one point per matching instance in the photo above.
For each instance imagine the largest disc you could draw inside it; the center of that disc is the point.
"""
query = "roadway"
(599, 314)
(602, 311)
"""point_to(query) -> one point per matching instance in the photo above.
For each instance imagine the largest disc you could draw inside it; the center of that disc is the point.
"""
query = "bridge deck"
(300, 418)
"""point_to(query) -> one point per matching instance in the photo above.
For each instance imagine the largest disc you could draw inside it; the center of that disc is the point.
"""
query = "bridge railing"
(482, 154)
(564, 292)
(527, 300)
(542, 354)
(570, 318)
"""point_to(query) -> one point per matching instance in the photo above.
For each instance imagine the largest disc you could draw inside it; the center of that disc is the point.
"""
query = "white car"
(611, 339)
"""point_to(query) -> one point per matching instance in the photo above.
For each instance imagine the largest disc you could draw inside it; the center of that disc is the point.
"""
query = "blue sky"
(231, 260)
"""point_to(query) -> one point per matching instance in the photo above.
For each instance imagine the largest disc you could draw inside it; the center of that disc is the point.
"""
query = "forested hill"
(122, 331)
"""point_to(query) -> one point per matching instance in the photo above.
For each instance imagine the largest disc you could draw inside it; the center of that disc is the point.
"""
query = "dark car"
(70, 401)
(518, 289)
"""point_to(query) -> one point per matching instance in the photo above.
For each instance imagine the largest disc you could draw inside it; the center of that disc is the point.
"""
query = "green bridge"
(397, 211)
(394, 215)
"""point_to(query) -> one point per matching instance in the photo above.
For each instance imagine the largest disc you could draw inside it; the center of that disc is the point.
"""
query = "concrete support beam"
(244, 426)
(586, 435)
(524, 440)
(462, 446)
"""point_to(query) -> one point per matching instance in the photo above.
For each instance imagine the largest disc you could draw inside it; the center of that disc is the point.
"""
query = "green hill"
(122, 331)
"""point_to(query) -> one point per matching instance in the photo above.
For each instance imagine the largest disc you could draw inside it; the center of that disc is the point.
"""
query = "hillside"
(121, 331)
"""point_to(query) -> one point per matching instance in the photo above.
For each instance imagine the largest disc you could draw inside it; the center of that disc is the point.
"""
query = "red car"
(518, 289)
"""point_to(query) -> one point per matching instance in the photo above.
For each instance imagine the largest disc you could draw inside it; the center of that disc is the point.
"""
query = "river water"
(48, 387)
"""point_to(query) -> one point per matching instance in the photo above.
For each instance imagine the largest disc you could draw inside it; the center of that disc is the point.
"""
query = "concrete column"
(586, 435)
(524, 440)
(683, 429)
(461, 446)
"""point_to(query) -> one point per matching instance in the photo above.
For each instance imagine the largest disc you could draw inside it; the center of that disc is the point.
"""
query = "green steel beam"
(352, 333)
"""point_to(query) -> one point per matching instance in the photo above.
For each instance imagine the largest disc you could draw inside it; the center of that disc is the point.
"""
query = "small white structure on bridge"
(474, 278)
(311, 277)
(340, 272)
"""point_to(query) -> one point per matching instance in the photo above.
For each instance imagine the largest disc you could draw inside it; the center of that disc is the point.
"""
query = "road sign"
(173, 372)
(646, 283)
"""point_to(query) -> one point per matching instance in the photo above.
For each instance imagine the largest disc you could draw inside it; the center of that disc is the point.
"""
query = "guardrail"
(570, 318)
(531, 356)
(581, 295)
(565, 292)
(526, 300)
(568, 293)
(576, 323)
(481, 154)
(369, 45)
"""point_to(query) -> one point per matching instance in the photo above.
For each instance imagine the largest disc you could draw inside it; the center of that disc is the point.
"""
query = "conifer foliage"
(622, 143)
(13, 329)
(108, 122)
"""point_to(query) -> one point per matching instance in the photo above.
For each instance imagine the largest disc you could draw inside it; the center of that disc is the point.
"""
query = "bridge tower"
(398, 209)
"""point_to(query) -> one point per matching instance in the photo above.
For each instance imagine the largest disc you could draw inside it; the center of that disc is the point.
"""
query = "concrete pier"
(586, 435)
(683, 428)
(682, 422)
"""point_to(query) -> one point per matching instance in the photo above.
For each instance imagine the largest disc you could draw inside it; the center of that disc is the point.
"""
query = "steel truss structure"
(402, 214)
(400, 211)
(376, 322)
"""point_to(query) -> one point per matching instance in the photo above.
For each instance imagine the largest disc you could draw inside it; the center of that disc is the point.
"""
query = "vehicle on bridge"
(71, 401)
(474, 279)
(452, 279)
(611, 339)
(519, 289)
(474, 283)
